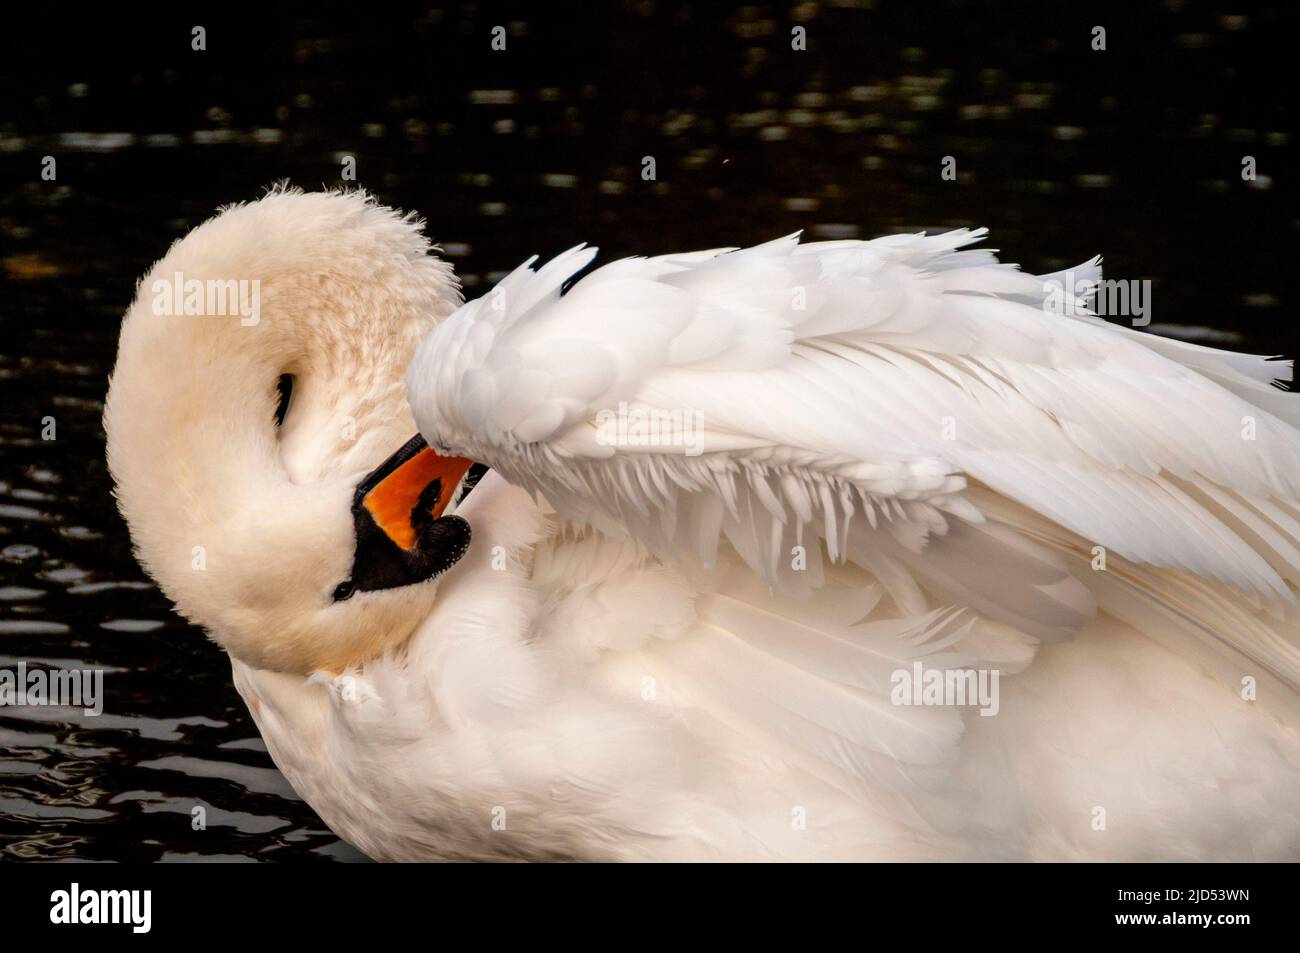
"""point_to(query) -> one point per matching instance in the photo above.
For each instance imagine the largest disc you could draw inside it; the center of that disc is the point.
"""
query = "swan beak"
(402, 535)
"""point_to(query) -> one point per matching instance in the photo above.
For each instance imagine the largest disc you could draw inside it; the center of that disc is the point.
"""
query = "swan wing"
(959, 458)
(970, 435)
(788, 388)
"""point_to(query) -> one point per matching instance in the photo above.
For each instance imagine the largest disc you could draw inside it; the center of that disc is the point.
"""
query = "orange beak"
(402, 536)
(414, 493)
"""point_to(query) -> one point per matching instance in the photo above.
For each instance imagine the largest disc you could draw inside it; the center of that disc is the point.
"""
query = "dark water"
(1135, 152)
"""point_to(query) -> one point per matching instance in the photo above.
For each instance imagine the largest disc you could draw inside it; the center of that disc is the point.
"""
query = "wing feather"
(908, 405)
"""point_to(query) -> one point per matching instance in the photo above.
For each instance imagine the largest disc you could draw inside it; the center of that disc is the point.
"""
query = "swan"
(836, 550)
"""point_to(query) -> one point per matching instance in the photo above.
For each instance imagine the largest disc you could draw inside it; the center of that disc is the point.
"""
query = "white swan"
(675, 654)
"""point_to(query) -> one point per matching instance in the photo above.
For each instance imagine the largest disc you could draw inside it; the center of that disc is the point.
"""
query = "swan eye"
(344, 590)
(285, 386)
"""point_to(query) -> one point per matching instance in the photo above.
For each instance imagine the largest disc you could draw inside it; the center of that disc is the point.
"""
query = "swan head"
(258, 430)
